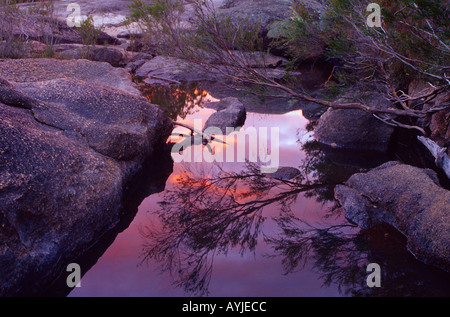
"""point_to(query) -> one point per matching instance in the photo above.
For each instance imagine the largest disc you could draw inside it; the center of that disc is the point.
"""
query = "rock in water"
(68, 149)
(285, 173)
(408, 198)
(231, 114)
(354, 128)
(57, 196)
(166, 71)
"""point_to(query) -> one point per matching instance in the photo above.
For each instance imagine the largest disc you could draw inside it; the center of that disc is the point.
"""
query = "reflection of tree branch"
(333, 253)
(340, 254)
(205, 215)
(176, 100)
(211, 213)
(298, 239)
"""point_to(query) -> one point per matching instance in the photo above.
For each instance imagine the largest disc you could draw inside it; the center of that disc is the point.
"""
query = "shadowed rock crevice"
(10, 96)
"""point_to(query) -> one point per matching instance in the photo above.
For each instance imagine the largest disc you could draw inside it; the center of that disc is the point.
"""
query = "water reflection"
(341, 257)
(178, 101)
(334, 166)
(215, 211)
(150, 180)
(208, 214)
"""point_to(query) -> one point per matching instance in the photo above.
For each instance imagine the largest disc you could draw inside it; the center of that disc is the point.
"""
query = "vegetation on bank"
(16, 20)
(411, 44)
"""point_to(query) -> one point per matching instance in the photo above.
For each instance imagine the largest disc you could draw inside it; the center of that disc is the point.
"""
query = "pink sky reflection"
(119, 273)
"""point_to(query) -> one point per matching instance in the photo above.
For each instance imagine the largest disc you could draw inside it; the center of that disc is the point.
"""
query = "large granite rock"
(269, 15)
(113, 55)
(43, 69)
(163, 70)
(68, 150)
(407, 198)
(257, 11)
(354, 129)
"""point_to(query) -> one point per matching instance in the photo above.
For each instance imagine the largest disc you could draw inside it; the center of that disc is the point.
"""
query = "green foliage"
(10, 46)
(159, 22)
(299, 35)
(89, 32)
(139, 10)
(241, 35)
(413, 41)
(153, 16)
(207, 36)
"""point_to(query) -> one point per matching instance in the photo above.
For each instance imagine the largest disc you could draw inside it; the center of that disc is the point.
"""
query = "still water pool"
(225, 229)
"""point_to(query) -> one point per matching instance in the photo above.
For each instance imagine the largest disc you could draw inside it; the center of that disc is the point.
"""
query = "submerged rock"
(68, 150)
(408, 198)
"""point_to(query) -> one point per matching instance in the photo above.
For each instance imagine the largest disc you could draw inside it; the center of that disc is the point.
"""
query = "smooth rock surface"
(231, 114)
(42, 69)
(354, 129)
(285, 173)
(408, 198)
(110, 54)
(42, 28)
(163, 70)
(257, 11)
